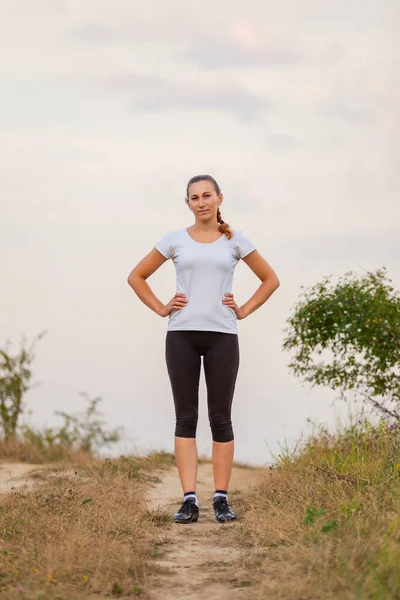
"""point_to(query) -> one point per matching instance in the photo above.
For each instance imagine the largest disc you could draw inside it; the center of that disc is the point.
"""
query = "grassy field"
(86, 532)
(325, 523)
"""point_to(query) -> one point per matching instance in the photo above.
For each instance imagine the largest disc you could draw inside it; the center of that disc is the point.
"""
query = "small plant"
(331, 524)
(78, 433)
(15, 381)
(312, 513)
(116, 589)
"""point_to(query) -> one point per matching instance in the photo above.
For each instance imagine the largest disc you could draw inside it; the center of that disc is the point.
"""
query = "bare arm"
(137, 280)
(269, 282)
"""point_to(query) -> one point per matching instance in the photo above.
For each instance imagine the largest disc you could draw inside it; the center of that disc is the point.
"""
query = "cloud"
(366, 247)
(280, 140)
(157, 94)
(355, 98)
(346, 110)
(216, 54)
(39, 7)
(239, 44)
(153, 24)
(98, 33)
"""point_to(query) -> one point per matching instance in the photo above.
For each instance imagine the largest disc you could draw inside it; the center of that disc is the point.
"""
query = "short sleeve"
(244, 245)
(165, 245)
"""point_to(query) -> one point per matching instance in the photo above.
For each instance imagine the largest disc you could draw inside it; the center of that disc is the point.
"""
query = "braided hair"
(223, 227)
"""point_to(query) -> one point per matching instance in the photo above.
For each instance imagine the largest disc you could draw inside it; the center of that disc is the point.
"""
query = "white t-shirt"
(204, 272)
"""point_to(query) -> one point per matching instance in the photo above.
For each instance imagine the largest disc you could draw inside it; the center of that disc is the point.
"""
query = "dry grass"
(83, 535)
(19, 449)
(326, 522)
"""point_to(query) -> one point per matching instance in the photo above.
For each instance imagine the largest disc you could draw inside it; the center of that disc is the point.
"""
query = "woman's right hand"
(178, 302)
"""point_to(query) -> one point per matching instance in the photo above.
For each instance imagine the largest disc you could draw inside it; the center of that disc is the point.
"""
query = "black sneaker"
(188, 512)
(222, 510)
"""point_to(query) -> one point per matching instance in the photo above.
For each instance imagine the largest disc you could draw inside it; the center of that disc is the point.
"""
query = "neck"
(205, 227)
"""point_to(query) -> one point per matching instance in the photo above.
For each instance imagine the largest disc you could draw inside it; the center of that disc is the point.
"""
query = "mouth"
(202, 211)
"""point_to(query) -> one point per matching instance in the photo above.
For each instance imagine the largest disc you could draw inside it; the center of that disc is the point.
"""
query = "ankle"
(221, 494)
(191, 495)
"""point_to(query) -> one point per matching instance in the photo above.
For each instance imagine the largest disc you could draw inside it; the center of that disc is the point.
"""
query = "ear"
(221, 199)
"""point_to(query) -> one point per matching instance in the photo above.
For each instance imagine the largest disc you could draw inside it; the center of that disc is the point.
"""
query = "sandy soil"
(17, 475)
(201, 560)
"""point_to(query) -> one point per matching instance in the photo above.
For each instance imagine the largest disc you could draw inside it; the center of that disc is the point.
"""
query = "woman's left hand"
(229, 300)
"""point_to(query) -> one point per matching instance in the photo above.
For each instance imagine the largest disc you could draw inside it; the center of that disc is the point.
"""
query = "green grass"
(330, 512)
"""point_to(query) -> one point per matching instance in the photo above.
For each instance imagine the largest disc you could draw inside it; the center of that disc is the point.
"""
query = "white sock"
(222, 495)
(186, 496)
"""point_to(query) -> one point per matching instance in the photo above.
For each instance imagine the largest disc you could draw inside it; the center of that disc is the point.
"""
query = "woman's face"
(203, 200)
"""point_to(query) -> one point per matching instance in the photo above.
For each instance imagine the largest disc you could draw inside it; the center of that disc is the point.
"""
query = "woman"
(202, 321)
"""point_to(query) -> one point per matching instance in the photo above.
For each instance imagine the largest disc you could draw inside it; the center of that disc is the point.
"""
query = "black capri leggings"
(183, 351)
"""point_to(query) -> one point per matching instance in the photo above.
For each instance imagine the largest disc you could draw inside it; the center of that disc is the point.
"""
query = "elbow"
(273, 280)
(131, 279)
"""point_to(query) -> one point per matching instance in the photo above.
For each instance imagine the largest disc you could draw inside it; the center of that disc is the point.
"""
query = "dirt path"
(17, 475)
(202, 560)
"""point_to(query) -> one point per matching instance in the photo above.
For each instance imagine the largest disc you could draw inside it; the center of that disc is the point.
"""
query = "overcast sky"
(108, 108)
